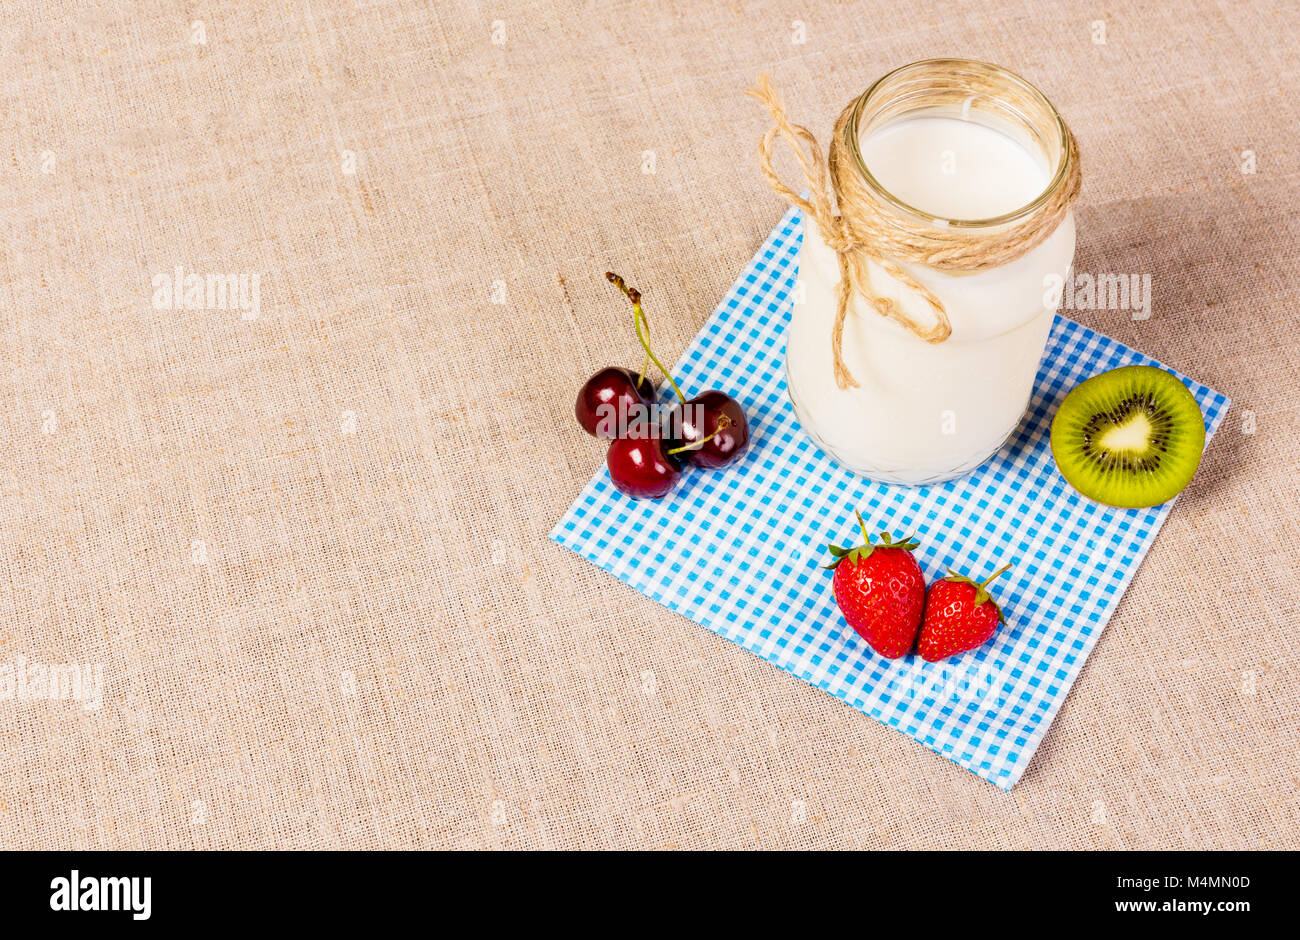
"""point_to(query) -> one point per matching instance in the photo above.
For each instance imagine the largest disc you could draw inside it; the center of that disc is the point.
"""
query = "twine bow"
(869, 229)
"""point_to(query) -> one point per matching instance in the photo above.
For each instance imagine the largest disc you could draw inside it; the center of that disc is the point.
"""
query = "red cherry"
(695, 420)
(640, 466)
(608, 403)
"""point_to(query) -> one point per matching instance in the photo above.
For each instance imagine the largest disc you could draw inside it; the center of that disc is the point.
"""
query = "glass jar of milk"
(942, 145)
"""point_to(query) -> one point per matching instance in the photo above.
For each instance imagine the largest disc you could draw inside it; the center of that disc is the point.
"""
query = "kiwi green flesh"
(1130, 437)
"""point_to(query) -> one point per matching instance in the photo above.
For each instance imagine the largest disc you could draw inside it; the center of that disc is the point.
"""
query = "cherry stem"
(995, 575)
(723, 423)
(643, 337)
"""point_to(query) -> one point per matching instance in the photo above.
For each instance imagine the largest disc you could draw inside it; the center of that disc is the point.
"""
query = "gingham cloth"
(739, 551)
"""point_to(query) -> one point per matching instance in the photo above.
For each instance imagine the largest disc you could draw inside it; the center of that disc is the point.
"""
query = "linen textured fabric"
(304, 536)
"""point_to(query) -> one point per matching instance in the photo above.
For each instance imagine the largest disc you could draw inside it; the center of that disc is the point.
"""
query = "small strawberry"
(881, 591)
(959, 616)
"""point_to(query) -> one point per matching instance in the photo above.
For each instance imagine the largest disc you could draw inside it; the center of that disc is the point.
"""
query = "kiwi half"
(1129, 437)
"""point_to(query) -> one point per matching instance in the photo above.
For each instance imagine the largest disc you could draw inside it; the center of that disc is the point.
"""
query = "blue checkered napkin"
(738, 551)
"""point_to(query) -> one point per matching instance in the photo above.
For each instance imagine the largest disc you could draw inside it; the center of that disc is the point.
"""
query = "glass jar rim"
(1058, 127)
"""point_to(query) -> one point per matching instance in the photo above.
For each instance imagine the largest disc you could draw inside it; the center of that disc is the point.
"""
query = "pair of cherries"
(647, 455)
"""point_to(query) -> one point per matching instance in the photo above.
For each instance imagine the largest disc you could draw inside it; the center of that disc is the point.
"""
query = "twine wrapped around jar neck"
(868, 228)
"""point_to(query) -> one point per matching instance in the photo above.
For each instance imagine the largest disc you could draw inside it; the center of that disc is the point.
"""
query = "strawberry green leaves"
(857, 553)
(981, 587)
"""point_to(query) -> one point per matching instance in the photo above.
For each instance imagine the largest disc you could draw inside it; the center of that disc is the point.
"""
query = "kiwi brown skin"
(1162, 442)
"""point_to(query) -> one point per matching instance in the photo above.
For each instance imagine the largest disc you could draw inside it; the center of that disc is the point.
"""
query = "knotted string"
(869, 229)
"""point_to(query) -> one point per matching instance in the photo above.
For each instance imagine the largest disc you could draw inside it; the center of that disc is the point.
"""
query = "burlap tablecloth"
(304, 540)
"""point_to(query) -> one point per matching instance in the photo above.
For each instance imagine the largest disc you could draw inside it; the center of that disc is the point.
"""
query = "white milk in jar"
(923, 411)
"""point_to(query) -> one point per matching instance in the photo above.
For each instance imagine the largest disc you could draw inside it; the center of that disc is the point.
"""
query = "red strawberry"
(881, 592)
(959, 616)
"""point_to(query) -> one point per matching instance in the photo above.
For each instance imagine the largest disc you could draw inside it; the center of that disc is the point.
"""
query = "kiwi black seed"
(1129, 437)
